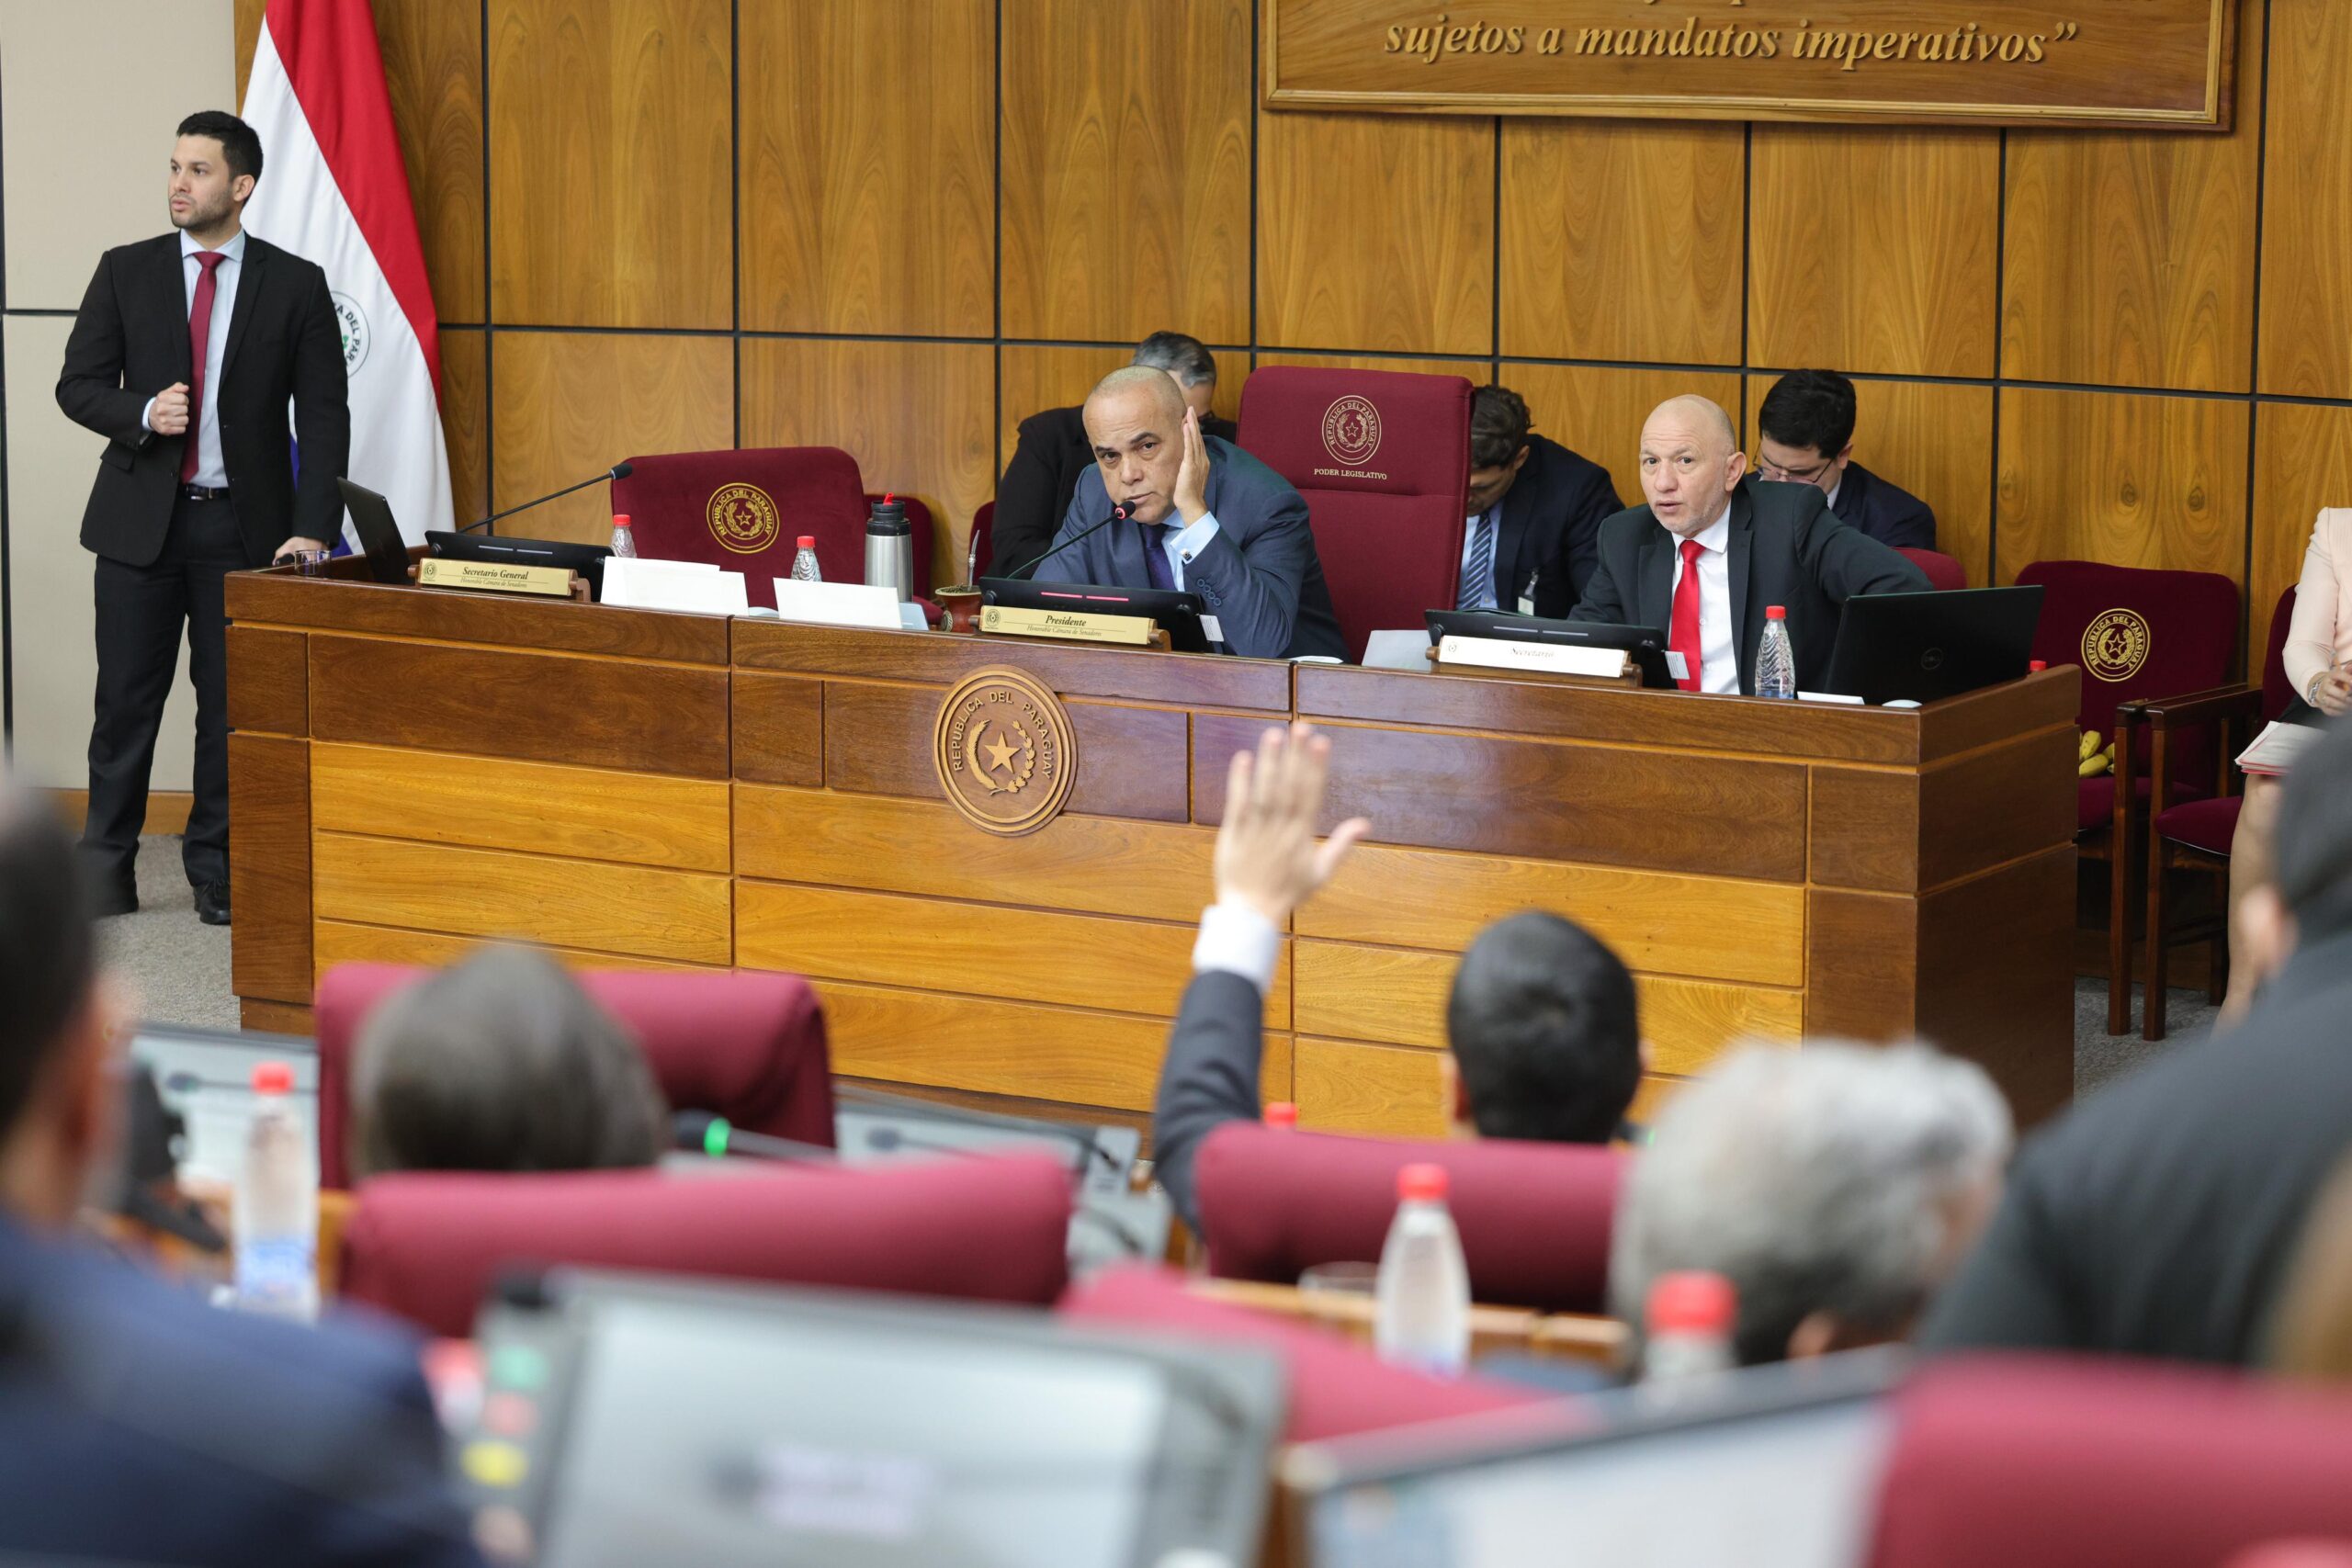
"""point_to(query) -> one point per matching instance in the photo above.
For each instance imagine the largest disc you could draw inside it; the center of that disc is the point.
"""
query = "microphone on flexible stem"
(698, 1132)
(617, 471)
(1120, 511)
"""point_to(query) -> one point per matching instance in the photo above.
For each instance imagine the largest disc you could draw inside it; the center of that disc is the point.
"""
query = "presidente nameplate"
(438, 571)
(1091, 625)
(1551, 657)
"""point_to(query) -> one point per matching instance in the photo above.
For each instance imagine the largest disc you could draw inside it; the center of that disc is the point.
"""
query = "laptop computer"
(1178, 614)
(1646, 645)
(1923, 646)
(379, 534)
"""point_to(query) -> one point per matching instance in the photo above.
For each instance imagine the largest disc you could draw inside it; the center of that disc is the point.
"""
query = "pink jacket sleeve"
(2322, 625)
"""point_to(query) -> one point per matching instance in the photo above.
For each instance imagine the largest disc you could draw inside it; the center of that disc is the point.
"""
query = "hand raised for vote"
(1266, 854)
(1191, 497)
(169, 416)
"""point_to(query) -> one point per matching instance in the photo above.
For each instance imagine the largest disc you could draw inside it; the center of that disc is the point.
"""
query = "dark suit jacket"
(143, 1426)
(1033, 496)
(1549, 536)
(2159, 1216)
(1887, 513)
(1259, 577)
(1785, 549)
(130, 342)
(1208, 1078)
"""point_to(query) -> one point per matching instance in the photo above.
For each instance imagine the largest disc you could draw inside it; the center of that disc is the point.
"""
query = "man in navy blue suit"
(141, 1424)
(1805, 435)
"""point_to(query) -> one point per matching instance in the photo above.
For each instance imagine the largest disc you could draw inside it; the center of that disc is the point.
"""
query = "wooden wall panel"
(2307, 213)
(1344, 1087)
(2302, 461)
(1935, 439)
(269, 686)
(344, 941)
(269, 877)
(464, 420)
(610, 162)
(1598, 412)
(993, 1047)
(433, 71)
(917, 416)
(868, 151)
(1376, 232)
(2130, 256)
(1872, 249)
(2135, 480)
(248, 15)
(1598, 213)
(568, 404)
(1125, 174)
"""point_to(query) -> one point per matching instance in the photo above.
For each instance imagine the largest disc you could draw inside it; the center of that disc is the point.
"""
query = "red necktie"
(1682, 634)
(199, 337)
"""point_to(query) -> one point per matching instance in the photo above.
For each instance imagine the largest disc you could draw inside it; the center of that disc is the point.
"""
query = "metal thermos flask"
(891, 548)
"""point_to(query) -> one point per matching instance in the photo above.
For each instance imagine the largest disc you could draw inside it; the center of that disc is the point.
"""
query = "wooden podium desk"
(414, 770)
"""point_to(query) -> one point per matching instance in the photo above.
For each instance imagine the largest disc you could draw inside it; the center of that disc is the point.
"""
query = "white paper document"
(1396, 650)
(837, 604)
(694, 586)
(2275, 749)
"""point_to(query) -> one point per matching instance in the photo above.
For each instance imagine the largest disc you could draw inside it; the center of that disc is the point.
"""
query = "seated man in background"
(1534, 510)
(1203, 516)
(1805, 435)
(2158, 1217)
(1052, 452)
(1541, 1022)
(141, 1424)
(1836, 1187)
(1713, 549)
(502, 1062)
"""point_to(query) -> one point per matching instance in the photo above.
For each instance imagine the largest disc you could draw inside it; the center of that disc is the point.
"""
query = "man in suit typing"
(1805, 435)
(1714, 549)
(1203, 517)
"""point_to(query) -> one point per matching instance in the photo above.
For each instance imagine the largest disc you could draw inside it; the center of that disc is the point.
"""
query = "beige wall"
(89, 93)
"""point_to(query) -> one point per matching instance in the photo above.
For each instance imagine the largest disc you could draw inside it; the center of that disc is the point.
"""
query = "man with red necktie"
(1716, 548)
(184, 355)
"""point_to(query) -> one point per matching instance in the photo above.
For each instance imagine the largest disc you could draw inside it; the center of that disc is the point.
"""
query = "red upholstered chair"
(1383, 458)
(1337, 1389)
(744, 1045)
(745, 511)
(1943, 572)
(1534, 1217)
(2137, 635)
(2196, 835)
(2042, 1463)
(428, 1245)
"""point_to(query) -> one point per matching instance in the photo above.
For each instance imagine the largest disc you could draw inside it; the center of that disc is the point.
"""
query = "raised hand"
(1266, 854)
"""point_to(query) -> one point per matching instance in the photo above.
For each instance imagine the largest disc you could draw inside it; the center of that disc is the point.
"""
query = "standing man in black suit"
(1534, 510)
(1805, 435)
(1714, 548)
(184, 355)
(1054, 451)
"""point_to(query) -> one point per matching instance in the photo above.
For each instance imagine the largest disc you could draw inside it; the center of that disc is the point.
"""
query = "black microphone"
(617, 471)
(1119, 510)
(701, 1133)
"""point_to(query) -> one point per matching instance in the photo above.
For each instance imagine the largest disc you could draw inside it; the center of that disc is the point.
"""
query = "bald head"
(1691, 463)
(1146, 386)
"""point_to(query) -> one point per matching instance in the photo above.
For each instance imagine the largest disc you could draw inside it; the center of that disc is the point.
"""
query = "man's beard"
(200, 216)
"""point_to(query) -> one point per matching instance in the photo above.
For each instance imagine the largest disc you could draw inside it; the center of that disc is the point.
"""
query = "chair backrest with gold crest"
(745, 510)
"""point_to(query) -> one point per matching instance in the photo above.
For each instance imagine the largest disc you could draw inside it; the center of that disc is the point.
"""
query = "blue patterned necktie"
(1155, 555)
(1478, 575)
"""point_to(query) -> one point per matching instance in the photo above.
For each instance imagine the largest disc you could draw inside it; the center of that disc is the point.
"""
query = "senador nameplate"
(1005, 752)
(2141, 64)
(1076, 626)
(555, 581)
(1549, 658)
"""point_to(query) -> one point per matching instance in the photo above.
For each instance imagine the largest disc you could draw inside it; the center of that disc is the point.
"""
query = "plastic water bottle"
(624, 539)
(1282, 1115)
(804, 563)
(277, 1205)
(1776, 662)
(1686, 1328)
(1422, 1317)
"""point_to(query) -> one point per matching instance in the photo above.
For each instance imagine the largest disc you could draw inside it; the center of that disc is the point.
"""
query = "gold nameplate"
(1075, 626)
(436, 571)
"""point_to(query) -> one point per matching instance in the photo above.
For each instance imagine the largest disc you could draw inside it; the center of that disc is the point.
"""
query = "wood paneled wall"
(902, 225)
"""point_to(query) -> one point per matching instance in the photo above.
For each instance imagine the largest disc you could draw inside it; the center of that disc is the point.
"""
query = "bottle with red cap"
(277, 1205)
(1282, 1114)
(804, 563)
(1423, 1308)
(1776, 660)
(624, 538)
(1688, 1325)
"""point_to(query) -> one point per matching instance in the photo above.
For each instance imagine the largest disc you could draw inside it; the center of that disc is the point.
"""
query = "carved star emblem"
(1000, 753)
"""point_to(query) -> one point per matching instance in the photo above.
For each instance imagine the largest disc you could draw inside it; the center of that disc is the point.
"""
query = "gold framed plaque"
(1005, 752)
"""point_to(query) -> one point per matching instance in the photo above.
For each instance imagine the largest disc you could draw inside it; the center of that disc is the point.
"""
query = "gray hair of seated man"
(1823, 1180)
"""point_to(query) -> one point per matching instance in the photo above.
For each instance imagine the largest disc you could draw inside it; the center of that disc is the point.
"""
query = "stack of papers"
(699, 587)
(2275, 749)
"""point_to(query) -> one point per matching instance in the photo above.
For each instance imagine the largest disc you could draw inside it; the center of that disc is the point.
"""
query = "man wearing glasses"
(1805, 435)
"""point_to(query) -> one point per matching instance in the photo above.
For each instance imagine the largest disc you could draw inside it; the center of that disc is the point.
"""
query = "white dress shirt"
(1718, 659)
(1239, 941)
(210, 470)
(1181, 544)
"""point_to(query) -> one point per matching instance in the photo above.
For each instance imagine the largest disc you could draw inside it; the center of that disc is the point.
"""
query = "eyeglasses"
(1773, 471)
